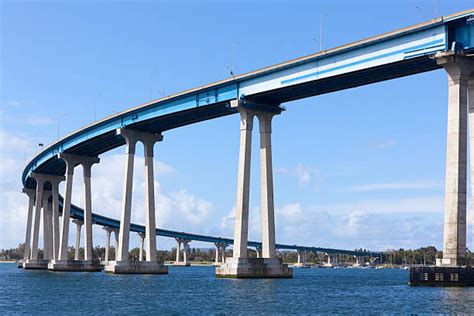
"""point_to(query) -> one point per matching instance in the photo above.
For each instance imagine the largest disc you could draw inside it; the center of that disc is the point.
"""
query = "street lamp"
(37, 145)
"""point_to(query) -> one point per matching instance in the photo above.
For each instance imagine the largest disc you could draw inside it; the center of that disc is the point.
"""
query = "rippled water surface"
(195, 290)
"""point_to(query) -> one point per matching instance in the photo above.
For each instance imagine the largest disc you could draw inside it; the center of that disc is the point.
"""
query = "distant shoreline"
(7, 261)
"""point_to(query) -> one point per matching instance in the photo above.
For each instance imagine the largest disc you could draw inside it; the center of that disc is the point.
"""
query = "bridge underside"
(349, 80)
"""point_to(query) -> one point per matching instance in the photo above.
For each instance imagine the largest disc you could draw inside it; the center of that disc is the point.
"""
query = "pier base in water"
(442, 276)
(75, 265)
(254, 268)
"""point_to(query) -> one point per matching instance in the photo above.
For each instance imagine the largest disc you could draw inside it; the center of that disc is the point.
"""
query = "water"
(195, 290)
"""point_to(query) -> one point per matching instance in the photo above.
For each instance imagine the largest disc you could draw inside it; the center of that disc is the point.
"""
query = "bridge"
(443, 43)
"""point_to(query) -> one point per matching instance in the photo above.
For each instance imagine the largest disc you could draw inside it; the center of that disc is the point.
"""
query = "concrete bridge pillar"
(178, 250)
(38, 206)
(220, 252)
(71, 162)
(239, 265)
(459, 69)
(47, 222)
(116, 237)
(55, 181)
(266, 185)
(108, 231)
(258, 251)
(78, 238)
(223, 247)
(217, 254)
(185, 250)
(331, 260)
(122, 264)
(31, 202)
(42, 201)
(243, 184)
(61, 263)
(88, 244)
(142, 241)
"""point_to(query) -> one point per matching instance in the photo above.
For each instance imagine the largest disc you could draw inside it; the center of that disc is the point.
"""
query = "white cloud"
(13, 142)
(306, 175)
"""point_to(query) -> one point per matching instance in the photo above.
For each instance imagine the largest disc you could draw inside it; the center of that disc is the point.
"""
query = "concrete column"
(36, 227)
(218, 246)
(470, 93)
(78, 238)
(116, 235)
(50, 230)
(454, 245)
(243, 184)
(47, 247)
(149, 141)
(178, 250)
(29, 219)
(266, 185)
(142, 241)
(223, 246)
(88, 244)
(66, 208)
(299, 257)
(258, 250)
(55, 180)
(123, 245)
(107, 243)
(185, 251)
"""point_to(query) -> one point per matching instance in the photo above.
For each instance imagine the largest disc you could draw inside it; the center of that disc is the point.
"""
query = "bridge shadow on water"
(195, 290)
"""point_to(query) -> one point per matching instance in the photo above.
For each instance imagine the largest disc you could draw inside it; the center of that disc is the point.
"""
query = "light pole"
(37, 145)
(151, 77)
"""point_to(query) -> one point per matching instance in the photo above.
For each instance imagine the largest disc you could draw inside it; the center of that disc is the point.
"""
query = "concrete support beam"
(267, 265)
(31, 202)
(47, 223)
(38, 206)
(71, 162)
(78, 238)
(142, 242)
(243, 184)
(122, 264)
(458, 69)
(185, 251)
(116, 236)
(178, 250)
(258, 250)
(108, 231)
(220, 253)
(266, 185)
(88, 243)
(132, 137)
(55, 181)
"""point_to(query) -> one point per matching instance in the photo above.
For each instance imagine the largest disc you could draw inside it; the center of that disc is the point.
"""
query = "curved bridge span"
(445, 42)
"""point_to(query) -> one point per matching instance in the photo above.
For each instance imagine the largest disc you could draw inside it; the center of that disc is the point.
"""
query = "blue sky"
(357, 168)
